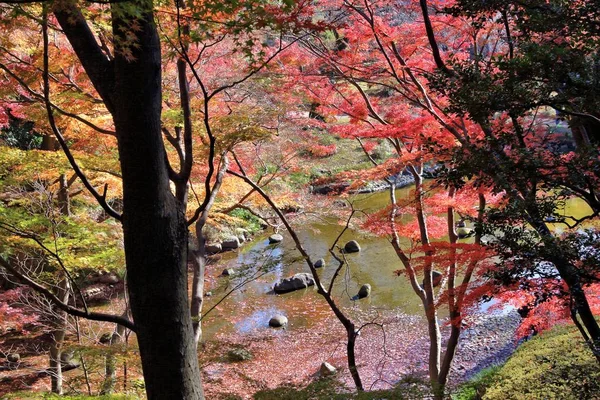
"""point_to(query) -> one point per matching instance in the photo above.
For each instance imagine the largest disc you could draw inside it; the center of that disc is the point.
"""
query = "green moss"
(333, 390)
(251, 222)
(476, 387)
(554, 365)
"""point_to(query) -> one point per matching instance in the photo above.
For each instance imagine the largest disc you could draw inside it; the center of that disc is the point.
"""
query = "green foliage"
(331, 389)
(21, 136)
(476, 387)
(251, 222)
(556, 364)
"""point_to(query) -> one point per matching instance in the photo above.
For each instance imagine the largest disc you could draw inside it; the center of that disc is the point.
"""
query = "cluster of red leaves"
(322, 151)
(12, 313)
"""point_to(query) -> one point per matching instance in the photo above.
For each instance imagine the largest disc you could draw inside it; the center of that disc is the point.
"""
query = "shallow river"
(248, 309)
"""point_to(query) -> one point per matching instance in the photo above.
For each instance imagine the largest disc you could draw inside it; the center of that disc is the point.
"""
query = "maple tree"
(527, 68)
(383, 68)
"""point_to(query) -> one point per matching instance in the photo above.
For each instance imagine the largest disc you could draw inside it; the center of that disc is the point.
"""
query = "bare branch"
(95, 316)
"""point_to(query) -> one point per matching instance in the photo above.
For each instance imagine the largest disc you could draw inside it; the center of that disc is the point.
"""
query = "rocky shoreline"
(489, 341)
(401, 180)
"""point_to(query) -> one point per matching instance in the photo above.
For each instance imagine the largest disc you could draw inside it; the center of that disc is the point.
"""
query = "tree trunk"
(64, 202)
(199, 263)
(570, 275)
(154, 224)
(110, 367)
(350, 345)
(58, 336)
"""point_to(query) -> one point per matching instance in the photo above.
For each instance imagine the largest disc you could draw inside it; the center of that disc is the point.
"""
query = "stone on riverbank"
(278, 321)
(327, 369)
(320, 263)
(214, 248)
(352, 247)
(231, 243)
(228, 272)
(296, 282)
(364, 291)
(276, 238)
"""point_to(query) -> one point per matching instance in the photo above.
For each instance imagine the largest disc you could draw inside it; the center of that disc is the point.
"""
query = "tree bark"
(154, 224)
(58, 337)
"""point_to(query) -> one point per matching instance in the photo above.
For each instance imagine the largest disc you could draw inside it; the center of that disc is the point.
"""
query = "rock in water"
(463, 232)
(214, 248)
(365, 291)
(327, 369)
(352, 247)
(276, 238)
(231, 243)
(278, 321)
(320, 263)
(13, 358)
(296, 282)
(228, 272)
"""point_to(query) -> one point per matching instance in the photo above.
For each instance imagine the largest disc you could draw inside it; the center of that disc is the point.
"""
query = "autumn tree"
(120, 54)
(529, 66)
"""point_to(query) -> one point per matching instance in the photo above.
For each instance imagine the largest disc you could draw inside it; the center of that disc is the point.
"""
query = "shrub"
(554, 365)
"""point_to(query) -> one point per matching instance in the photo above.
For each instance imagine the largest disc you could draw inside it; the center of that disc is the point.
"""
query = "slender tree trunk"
(350, 346)
(64, 202)
(198, 264)
(58, 337)
(570, 275)
(110, 366)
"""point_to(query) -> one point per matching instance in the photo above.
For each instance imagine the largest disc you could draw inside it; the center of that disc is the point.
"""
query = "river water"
(249, 308)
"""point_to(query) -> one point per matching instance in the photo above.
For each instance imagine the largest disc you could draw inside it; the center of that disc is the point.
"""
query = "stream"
(249, 308)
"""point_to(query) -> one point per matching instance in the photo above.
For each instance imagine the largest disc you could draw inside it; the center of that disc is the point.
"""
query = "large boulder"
(239, 354)
(276, 238)
(278, 321)
(231, 243)
(364, 291)
(352, 247)
(296, 282)
(320, 263)
(463, 232)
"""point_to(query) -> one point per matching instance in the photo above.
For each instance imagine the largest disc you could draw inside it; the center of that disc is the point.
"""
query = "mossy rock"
(239, 355)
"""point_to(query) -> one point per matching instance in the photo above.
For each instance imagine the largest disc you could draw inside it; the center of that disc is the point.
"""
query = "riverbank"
(391, 349)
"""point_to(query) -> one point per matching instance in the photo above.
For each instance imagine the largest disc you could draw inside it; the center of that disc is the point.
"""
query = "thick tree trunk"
(154, 224)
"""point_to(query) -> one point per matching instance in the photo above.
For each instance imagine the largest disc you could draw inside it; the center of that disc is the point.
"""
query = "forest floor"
(388, 351)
